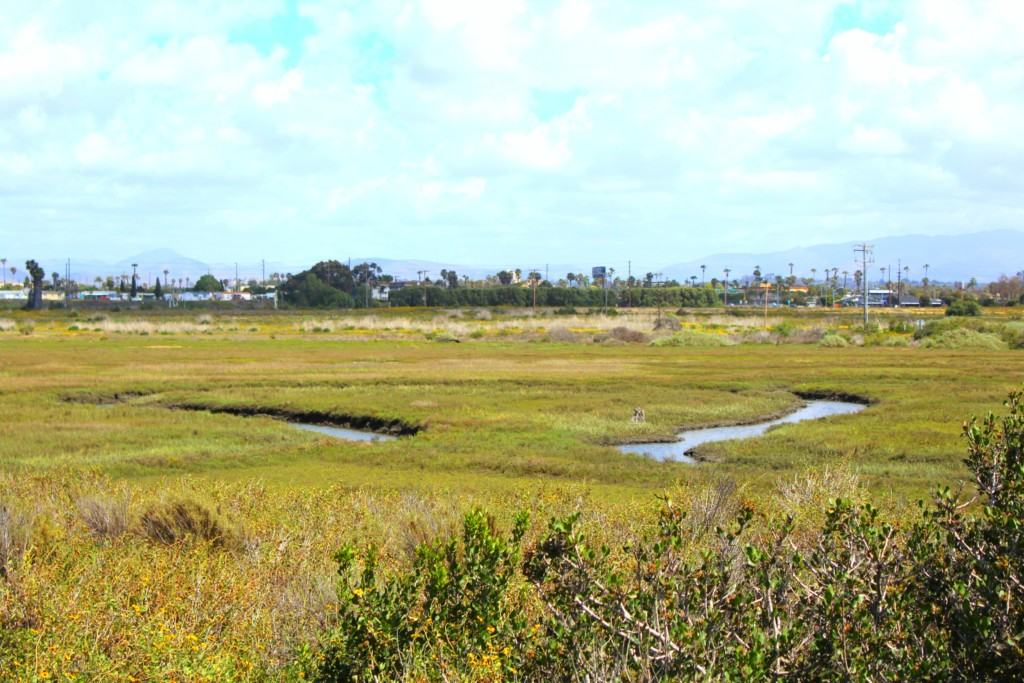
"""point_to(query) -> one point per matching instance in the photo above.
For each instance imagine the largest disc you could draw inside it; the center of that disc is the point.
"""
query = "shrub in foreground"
(858, 599)
(183, 520)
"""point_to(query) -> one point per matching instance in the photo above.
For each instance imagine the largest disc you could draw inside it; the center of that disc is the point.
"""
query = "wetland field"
(161, 519)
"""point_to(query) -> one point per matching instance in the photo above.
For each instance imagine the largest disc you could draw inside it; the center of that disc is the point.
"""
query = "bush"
(15, 539)
(895, 342)
(834, 341)
(180, 521)
(784, 329)
(624, 334)
(455, 605)
(901, 325)
(668, 322)
(963, 307)
(690, 338)
(854, 598)
(964, 338)
(105, 518)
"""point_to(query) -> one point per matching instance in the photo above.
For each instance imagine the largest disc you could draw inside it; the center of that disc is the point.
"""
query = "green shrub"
(834, 341)
(784, 329)
(897, 342)
(456, 604)
(690, 338)
(857, 598)
(900, 325)
(963, 307)
(964, 338)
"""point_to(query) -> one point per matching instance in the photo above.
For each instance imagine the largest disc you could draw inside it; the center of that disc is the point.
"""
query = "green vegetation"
(144, 541)
(708, 598)
(513, 295)
(964, 307)
(208, 283)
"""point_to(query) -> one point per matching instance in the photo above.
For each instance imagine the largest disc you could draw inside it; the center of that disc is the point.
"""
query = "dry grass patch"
(179, 521)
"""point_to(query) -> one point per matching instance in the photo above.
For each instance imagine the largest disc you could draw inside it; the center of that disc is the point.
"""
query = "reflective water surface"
(688, 440)
(343, 432)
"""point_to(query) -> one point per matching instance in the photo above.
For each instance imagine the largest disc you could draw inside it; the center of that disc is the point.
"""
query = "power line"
(865, 250)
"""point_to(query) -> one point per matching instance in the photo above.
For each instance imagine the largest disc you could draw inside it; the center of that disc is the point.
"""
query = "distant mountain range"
(982, 255)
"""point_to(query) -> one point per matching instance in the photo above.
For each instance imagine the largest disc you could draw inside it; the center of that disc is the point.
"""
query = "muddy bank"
(366, 423)
(832, 395)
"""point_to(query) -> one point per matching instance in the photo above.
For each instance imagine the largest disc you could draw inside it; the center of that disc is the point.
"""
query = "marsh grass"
(183, 520)
(107, 517)
(508, 426)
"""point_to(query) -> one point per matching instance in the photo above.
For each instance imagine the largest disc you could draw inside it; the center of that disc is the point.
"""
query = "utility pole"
(421, 275)
(263, 272)
(899, 281)
(864, 250)
(765, 291)
(236, 276)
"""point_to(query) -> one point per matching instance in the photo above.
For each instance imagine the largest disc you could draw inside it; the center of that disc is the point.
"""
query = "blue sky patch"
(287, 30)
(873, 16)
(550, 104)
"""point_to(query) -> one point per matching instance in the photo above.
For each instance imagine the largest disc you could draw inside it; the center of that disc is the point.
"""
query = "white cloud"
(874, 141)
(686, 124)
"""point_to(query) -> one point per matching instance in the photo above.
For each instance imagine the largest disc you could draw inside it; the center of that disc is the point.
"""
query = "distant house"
(382, 292)
(881, 298)
(99, 295)
(13, 295)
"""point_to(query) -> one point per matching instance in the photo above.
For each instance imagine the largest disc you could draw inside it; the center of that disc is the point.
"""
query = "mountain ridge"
(983, 255)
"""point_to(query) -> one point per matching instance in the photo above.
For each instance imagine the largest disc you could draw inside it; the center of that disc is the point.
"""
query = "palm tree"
(725, 287)
(571, 277)
(3, 269)
(845, 273)
(702, 268)
(14, 271)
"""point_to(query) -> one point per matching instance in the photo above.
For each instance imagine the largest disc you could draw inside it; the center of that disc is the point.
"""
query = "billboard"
(598, 272)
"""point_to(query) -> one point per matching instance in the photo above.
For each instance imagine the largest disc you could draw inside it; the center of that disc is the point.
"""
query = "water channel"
(343, 432)
(688, 440)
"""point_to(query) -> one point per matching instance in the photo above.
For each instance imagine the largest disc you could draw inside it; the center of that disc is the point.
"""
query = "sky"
(504, 131)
